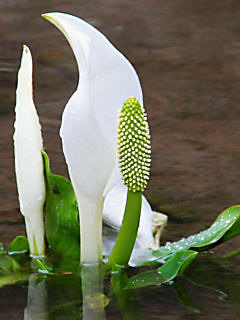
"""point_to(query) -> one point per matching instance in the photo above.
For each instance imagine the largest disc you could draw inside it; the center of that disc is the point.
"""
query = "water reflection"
(36, 308)
(94, 300)
(91, 305)
(91, 294)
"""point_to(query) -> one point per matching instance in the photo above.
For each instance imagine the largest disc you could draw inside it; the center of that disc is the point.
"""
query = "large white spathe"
(89, 123)
(28, 158)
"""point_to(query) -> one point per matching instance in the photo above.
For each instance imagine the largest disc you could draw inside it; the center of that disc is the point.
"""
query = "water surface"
(187, 55)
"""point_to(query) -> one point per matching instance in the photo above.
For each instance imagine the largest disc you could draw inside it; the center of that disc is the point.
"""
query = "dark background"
(187, 55)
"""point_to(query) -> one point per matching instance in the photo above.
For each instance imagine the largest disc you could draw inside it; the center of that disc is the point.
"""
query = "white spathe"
(89, 123)
(28, 158)
(151, 223)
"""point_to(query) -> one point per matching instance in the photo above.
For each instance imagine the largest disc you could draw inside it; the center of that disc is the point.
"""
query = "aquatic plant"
(28, 158)
(101, 150)
(134, 162)
(89, 123)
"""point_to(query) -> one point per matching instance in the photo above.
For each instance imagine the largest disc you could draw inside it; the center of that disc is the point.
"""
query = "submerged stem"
(124, 244)
(94, 300)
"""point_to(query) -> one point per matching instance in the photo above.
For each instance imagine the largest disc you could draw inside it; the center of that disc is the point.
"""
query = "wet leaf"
(174, 267)
(225, 227)
(62, 225)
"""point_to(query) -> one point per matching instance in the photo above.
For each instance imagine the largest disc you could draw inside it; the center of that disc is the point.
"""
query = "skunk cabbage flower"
(28, 157)
(89, 123)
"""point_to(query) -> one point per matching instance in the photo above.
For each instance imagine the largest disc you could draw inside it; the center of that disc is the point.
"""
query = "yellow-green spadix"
(28, 158)
(134, 161)
(89, 123)
(134, 145)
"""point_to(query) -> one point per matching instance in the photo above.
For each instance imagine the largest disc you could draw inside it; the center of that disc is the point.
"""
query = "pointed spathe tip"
(55, 19)
(25, 51)
(25, 47)
(51, 16)
(48, 16)
(25, 71)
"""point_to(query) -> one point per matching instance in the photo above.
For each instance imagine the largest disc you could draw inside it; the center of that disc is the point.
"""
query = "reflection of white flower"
(89, 123)
(28, 158)
(151, 223)
(37, 302)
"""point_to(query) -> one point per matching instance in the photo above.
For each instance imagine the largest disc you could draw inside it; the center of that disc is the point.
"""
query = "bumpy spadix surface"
(134, 145)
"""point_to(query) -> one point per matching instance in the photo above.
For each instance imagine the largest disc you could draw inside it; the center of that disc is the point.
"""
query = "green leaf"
(174, 267)
(18, 245)
(225, 227)
(43, 267)
(8, 265)
(62, 225)
(19, 249)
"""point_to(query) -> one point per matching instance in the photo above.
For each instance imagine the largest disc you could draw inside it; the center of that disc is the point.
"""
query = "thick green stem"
(124, 244)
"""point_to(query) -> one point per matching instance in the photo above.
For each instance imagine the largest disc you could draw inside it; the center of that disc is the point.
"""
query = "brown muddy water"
(187, 55)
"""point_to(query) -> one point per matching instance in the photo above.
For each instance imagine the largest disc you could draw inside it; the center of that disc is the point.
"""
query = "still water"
(207, 291)
(188, 58)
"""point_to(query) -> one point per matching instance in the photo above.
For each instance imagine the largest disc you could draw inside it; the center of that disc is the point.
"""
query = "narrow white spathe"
(28, 158)
(89, 123)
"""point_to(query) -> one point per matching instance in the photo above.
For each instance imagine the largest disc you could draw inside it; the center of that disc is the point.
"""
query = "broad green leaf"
(225, 227)
(62, 225)
(174, 267)
(18, 245)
